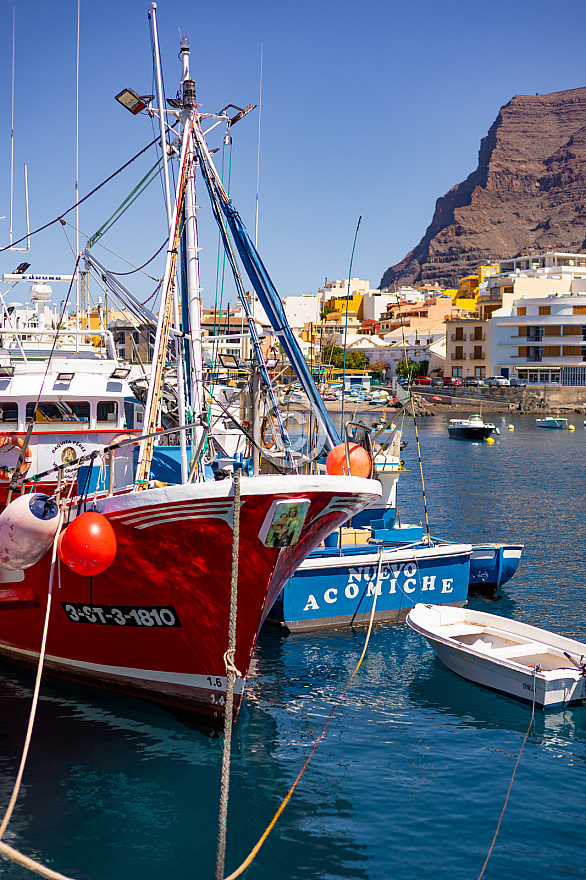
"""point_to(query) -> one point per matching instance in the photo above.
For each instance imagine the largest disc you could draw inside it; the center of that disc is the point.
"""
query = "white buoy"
(27, 530)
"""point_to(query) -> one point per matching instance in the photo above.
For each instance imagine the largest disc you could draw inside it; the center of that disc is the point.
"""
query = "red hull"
(155, 624)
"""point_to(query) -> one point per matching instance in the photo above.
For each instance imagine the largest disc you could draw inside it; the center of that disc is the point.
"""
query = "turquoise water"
(412, 776)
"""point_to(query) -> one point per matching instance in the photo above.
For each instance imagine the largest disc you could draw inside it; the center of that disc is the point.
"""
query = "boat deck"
(492, 642)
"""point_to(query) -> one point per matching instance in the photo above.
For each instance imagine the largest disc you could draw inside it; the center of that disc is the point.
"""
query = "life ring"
(121, 438)
(8, 442)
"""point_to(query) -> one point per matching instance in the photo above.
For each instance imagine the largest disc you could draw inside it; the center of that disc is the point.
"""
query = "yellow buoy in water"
(511, 427)
(490, 440)
(571, 428)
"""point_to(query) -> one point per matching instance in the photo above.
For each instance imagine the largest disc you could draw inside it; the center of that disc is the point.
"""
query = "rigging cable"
(84, 199)
(347, 304)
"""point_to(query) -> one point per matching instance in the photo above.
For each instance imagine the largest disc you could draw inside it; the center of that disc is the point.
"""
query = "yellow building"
(471, 286)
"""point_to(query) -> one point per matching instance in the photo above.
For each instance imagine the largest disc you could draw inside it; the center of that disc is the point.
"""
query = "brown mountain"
(528, 192)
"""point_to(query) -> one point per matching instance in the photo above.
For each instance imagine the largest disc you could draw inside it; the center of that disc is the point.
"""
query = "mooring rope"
(249, 859)
(231, 674)
(512, 778)
(8, 851)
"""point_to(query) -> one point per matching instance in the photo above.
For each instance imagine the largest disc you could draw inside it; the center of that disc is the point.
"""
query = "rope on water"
(248, 860)
(511, 782)
(231, 674)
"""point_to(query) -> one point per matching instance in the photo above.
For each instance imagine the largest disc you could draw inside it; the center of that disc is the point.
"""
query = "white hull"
(504, 655)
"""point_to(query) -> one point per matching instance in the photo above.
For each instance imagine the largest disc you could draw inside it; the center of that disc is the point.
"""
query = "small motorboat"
(472, 428)
(551, 422)
(504, 655)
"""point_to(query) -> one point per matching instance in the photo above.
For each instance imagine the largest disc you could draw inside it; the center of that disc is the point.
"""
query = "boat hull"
(492, 565)
(470, 433)
(515, 671)
(332, 590)
(155, 624)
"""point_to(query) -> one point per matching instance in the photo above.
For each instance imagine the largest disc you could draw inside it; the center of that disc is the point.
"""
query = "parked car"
(471, 382)
(422, 380)
(437, 382)
(518, 383)
(403, 381)
(497, 382)
(452, 382)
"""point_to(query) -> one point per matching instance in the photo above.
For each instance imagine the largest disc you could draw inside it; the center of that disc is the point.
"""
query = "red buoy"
(360, 463)
(88, 544)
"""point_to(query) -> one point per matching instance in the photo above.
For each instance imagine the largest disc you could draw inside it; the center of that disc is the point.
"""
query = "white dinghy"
(505, 655)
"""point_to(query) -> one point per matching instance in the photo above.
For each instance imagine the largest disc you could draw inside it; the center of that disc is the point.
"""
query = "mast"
(176, 317)
(191, 251)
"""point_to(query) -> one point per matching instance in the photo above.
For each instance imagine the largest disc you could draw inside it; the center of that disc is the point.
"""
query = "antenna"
(28, 241)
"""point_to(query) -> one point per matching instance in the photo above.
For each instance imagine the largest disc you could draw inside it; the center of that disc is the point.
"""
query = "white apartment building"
(539, 334)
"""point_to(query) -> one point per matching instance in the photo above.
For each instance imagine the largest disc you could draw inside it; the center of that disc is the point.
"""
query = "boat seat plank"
(509, 652)
(453, 630)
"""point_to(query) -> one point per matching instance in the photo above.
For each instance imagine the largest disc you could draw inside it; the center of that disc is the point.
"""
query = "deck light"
(6, 372)
(133, 102)
(120, 373)
(65, 377)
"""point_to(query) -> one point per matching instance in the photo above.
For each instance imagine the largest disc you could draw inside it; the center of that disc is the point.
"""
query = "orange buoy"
(360, 463)
(88, 544)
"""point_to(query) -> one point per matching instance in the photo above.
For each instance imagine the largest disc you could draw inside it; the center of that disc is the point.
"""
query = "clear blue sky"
(374, 108)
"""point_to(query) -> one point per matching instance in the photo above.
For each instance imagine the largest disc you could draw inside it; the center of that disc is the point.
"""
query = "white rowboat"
(505, 655)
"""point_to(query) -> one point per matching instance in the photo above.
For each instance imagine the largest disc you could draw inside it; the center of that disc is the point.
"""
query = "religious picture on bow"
(283, 523)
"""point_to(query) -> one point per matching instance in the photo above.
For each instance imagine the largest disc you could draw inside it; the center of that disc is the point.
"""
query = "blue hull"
(492, 565)
(333, 589)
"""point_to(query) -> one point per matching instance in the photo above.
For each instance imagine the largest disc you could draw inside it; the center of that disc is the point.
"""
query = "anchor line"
(512, 778)
(249, 859)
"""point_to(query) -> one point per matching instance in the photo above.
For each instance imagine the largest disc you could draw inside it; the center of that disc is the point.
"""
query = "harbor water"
(413, 773)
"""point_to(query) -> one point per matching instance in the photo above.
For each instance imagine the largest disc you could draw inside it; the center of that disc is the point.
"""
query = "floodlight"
(120, 373)
(133, 102)
(65, 377)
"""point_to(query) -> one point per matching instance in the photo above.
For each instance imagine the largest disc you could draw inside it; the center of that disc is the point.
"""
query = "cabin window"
(58, 411)
(108, 411)
(8, 412)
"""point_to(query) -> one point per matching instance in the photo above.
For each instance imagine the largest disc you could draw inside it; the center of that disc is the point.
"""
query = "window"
(571, 351)
(509, 290)
(478, 353)
(521, 310)
(580, 310)
(522, 331)
(459, 353)
(8, 412)
(459, 334)
(457, 372)
(480, 372)
(523, 351)
(58, 411)
(570, 330)
(552, 330)
(107, 411)
(136, 336)
(478, 334)
(551, 351)
(545, 310)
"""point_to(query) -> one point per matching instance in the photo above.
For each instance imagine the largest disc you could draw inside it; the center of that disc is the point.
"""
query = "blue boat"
(335, 586)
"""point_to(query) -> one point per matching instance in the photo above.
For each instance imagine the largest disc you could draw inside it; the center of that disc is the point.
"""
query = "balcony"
(455, 338)
(474, 357)
(461, 357)
(481, 338)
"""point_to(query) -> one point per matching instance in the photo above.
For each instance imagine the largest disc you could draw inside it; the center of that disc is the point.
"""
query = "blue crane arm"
(271, 303)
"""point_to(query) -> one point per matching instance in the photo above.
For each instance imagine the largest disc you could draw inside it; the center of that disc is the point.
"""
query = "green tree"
(412, 368)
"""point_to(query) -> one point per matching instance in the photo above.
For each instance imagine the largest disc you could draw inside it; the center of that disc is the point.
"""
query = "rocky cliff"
(528, 192)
